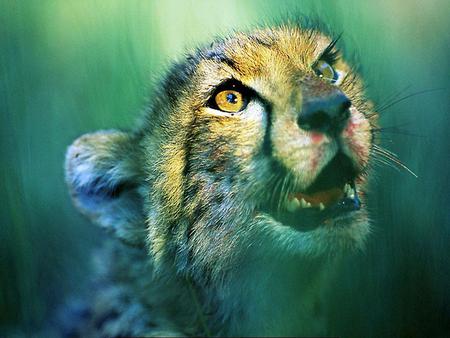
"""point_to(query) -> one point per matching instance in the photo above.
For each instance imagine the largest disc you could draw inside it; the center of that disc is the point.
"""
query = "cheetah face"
(260, 137)
(290, 132)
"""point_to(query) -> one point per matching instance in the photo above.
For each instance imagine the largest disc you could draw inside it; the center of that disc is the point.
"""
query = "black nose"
(326, 114)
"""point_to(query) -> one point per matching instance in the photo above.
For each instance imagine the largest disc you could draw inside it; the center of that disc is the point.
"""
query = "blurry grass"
(70, 67)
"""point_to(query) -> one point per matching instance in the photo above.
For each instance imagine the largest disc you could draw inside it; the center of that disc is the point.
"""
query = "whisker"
(384, 139)
(393, 126)
(395, 131)
(284, 192)
(391, 98)
(392, 157)
(389, 105)
(276, 188)
(384, 150)
(381, 161)
(387, 161)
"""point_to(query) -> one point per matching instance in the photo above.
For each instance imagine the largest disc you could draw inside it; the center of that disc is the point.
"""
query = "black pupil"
(231, 98)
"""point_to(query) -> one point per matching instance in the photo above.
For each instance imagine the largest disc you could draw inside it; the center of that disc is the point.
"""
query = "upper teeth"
(349, 191)
(295, 204)
(305, 204)
(347, 188)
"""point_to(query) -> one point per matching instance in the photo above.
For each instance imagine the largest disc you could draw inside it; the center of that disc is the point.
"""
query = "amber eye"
(230, 101)
(324, 70)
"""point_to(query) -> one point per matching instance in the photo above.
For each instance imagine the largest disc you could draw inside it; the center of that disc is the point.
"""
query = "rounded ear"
(103, 177)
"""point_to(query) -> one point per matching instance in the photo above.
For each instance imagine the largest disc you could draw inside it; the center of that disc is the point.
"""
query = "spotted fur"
(190, 185)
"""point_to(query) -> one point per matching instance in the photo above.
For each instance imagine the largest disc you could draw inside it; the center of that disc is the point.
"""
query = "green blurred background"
(70, 67)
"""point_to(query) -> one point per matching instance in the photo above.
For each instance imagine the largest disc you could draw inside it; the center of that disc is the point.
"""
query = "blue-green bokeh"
(70, 67)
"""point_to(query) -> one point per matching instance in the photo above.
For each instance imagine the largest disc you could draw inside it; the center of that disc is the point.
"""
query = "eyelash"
(329, 55)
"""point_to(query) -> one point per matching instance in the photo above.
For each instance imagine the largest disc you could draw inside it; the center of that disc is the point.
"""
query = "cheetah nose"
(326, 114)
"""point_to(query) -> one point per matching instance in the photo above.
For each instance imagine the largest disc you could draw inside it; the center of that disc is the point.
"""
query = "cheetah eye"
(324, 70)
(230, 101)
(230, 97)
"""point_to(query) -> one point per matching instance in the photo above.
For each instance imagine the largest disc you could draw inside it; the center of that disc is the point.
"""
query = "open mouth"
(332, 194)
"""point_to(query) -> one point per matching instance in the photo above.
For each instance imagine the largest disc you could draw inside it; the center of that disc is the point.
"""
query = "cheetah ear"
(103, 179)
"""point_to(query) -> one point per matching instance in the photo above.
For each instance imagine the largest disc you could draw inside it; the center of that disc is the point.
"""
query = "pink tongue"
(327, 197)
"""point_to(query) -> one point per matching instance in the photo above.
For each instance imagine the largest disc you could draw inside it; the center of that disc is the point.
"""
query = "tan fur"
(190, 187)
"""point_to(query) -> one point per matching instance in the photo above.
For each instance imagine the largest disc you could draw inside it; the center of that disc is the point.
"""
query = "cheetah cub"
(229, 205)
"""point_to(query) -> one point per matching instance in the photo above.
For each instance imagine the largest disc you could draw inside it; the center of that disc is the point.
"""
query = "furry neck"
(277, 296)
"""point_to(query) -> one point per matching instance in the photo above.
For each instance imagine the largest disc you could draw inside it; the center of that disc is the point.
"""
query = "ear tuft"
(103, 179)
